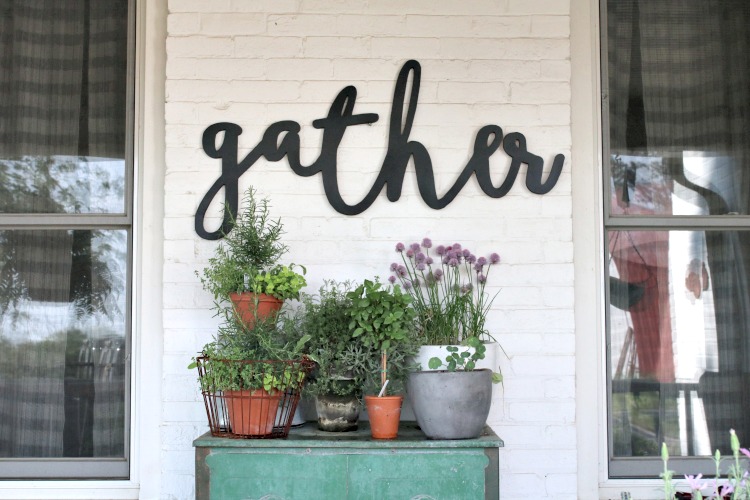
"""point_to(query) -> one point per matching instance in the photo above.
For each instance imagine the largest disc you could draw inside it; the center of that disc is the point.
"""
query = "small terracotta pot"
(252, 413)
(384, 413)
(244, 307)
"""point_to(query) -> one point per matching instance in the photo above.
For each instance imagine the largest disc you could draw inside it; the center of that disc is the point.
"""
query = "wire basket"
(262, 399)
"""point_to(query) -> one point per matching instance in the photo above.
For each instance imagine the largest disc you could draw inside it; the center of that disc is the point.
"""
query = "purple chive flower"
(407, 285)
(440, 250)
(481, 261)
(394, 267)
(421, 266)
(453, 262)
(399, 247)
(466, 288)
(471, 259)
(694, 482)
(481, 278)
(478, 267)
(466, 253)
(428, 261)
(392, 279)
(401, 271)
(494, 258)
(445, 259)
(410, 253)
(457, 246)
(438, 274)
(415, 247)
(427, 243)
(420, 257)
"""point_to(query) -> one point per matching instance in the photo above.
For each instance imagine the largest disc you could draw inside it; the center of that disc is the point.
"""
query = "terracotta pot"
(252, 413)
(245, 307)
(384, 413)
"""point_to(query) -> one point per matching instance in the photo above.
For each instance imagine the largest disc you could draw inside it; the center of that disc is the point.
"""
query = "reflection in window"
(62, 343)
(677, 229)
(680, 354)
(62, 184)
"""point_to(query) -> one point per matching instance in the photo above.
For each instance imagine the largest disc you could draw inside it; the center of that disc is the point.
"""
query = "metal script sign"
(281, 140)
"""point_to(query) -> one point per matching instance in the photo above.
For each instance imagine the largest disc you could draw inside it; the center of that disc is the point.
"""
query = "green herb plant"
(225, 358)
(252, 248)
(340, 362)
(281, 282)
(382, 321)
(464, 360)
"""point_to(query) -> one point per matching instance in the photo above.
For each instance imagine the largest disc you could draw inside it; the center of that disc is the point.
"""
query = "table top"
(309, 436)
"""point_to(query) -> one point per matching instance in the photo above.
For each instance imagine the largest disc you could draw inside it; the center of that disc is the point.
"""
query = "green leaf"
(451, 348)
(359, 331)
(434, 363)
(497, 378)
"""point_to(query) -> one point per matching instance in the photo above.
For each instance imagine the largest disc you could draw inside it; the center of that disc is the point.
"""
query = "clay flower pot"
(384, 413)
(245, 306)
(252, 413)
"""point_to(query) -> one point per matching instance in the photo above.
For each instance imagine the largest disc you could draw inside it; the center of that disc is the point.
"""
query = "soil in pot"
(384, 413)
(337, 413)
(245, 306)
(252, 413)
(451, 405)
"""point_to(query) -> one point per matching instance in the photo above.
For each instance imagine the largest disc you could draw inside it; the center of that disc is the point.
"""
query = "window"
(66, 190)
(676, 162)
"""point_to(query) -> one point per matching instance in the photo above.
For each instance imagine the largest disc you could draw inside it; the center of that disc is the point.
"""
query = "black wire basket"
(251, 399)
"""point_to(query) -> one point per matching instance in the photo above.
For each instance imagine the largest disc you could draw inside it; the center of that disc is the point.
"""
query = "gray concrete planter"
(451, 405)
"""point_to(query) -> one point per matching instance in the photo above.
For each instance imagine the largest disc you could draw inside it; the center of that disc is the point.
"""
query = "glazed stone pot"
(451, 405)
(337, 413)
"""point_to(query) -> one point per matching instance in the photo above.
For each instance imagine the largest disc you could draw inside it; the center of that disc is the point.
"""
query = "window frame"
(635, 468)
(16, 471)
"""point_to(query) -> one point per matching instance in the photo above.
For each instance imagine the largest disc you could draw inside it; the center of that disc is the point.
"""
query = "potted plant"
(452, 395)
(336, 382)
(382, 322)
(251, 379)
(244, 270)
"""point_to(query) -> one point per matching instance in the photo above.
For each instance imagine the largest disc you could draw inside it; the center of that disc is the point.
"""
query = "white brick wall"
(483, 62)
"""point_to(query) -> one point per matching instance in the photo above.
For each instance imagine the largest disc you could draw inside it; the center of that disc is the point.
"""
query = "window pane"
(678, 106)
(63, 343)
(63, 92)
(679, 337)
(62, 184)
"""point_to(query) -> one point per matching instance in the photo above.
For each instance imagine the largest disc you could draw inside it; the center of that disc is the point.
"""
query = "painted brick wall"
(503, 62)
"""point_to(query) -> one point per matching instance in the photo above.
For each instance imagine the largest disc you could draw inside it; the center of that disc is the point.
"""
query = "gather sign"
(281, 140)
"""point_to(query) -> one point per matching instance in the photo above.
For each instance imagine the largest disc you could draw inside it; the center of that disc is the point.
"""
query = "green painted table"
(316, 465)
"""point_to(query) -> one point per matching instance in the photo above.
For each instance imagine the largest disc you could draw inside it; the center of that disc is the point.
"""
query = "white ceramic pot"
(430, 351)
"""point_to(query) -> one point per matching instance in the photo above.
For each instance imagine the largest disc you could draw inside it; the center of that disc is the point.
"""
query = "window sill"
(69, 490)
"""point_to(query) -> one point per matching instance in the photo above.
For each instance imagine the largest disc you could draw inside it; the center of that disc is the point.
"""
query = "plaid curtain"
(62, 71)
(63, 74)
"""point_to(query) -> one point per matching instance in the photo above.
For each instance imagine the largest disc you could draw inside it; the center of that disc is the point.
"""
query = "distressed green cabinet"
(312, 465)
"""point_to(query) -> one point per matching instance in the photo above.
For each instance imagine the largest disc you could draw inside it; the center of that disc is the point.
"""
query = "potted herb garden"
(382, 323)
(452, 395)
(252, 372)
